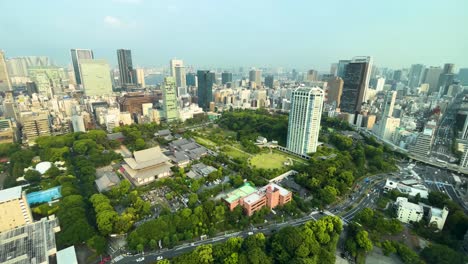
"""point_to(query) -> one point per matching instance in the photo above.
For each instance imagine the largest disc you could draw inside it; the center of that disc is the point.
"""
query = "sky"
(302, 34)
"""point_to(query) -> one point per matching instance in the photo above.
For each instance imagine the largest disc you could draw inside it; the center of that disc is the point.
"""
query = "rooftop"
(10, 194)
(240, 192)
(32, 243)
(67, 256)
(146, 158)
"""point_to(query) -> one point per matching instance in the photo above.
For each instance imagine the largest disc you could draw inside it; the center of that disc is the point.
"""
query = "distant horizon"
(213, 34)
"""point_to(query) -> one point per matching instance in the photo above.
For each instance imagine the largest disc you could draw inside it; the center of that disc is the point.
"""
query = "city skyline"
(287, 37)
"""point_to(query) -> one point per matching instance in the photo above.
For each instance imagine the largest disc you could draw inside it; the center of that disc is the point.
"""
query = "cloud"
(113, 22)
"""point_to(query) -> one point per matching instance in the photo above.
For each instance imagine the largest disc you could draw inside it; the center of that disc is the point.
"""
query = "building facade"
(95, 76)
(304, 120)
(127, 74)
(170, 99)
(5, 83)
(356, 82)
(77, 55)
(205, 89)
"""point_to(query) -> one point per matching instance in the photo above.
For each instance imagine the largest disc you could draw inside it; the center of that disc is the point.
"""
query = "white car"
(140, 259)
(160, 258)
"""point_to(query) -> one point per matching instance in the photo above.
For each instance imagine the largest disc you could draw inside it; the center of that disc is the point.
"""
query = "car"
(140, 259)
(250, 233)
(192, 244)
(160, 258)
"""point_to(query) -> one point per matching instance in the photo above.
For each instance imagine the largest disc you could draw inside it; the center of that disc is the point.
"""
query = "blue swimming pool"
(44, 196)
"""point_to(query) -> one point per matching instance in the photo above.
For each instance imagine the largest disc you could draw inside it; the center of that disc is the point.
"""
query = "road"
(365, 186)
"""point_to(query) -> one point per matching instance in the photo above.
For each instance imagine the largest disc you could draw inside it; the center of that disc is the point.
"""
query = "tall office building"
(397, 75)
(304, 120)
(255, 77)
(415, 75)
(380, 83)
(389, 103)
(356, 83)
(340, 71)
(180, 77)
(126, 72)
(205, 89)
(95, 76)
(269, 81)
(431, 77)
(169, 89)
(191, 79)
(48, 80)
(173, 64)
(446, 78)
(5, 84)
(140, 74)
(334, 69)
(77, 55)
(463, 76)
(226, 77)
(18, 67)
(334, 91)
(312, 75)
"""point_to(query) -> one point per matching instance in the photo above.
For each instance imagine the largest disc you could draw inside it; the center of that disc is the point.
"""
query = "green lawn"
(205, 142)
(268, 160)
(235, 153)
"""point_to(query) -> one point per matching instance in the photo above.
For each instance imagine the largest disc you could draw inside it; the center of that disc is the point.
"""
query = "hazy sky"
(212, 33)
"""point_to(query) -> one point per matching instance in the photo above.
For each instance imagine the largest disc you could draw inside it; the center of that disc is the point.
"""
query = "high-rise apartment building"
(205, 89)
(95, 76)
(304, 120)
(255, 78)
(77, 55)
(356, 83)
(127, 74)
(226, 77)
(334, 91)
(415, 75)
(170, 99)
(431, 77)
(5, 83)
(34, 125)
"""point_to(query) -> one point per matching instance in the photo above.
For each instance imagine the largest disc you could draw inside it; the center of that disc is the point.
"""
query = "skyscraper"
(389, 103)
(334, 91)
(380, 83)
(226, 77)
(95, 77)
(446, 78)
(340, 71)
(78, 55)
(415, 75)
(304, 120)
(269, 81)
(191, 79)
(431, 77)
(173, 64)
(126, 72)
(255, 77)
(312, 75)
(356, 83)
(5, 84)
(205, 89)
(334, 69)
(463, 76)
(170, 99)
(18, 67)
(180, 77)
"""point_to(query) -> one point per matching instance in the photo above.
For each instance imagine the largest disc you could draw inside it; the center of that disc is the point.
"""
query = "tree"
(363, 241)
(388, 247)
(192, 199)
(441, 254)
(140, 144)
(98, 243)
(32, 176)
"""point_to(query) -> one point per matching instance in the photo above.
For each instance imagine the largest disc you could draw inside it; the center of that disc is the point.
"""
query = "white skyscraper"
(304, 120)
(380, 84)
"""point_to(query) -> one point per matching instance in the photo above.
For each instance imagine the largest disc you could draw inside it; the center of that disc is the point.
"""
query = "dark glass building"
(356, 81)
(205, 88)
(190, 79)
(126, 71)
(269, 80)
(226, 77)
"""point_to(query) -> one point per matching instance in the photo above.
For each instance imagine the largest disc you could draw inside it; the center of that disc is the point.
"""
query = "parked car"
(140, 259)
